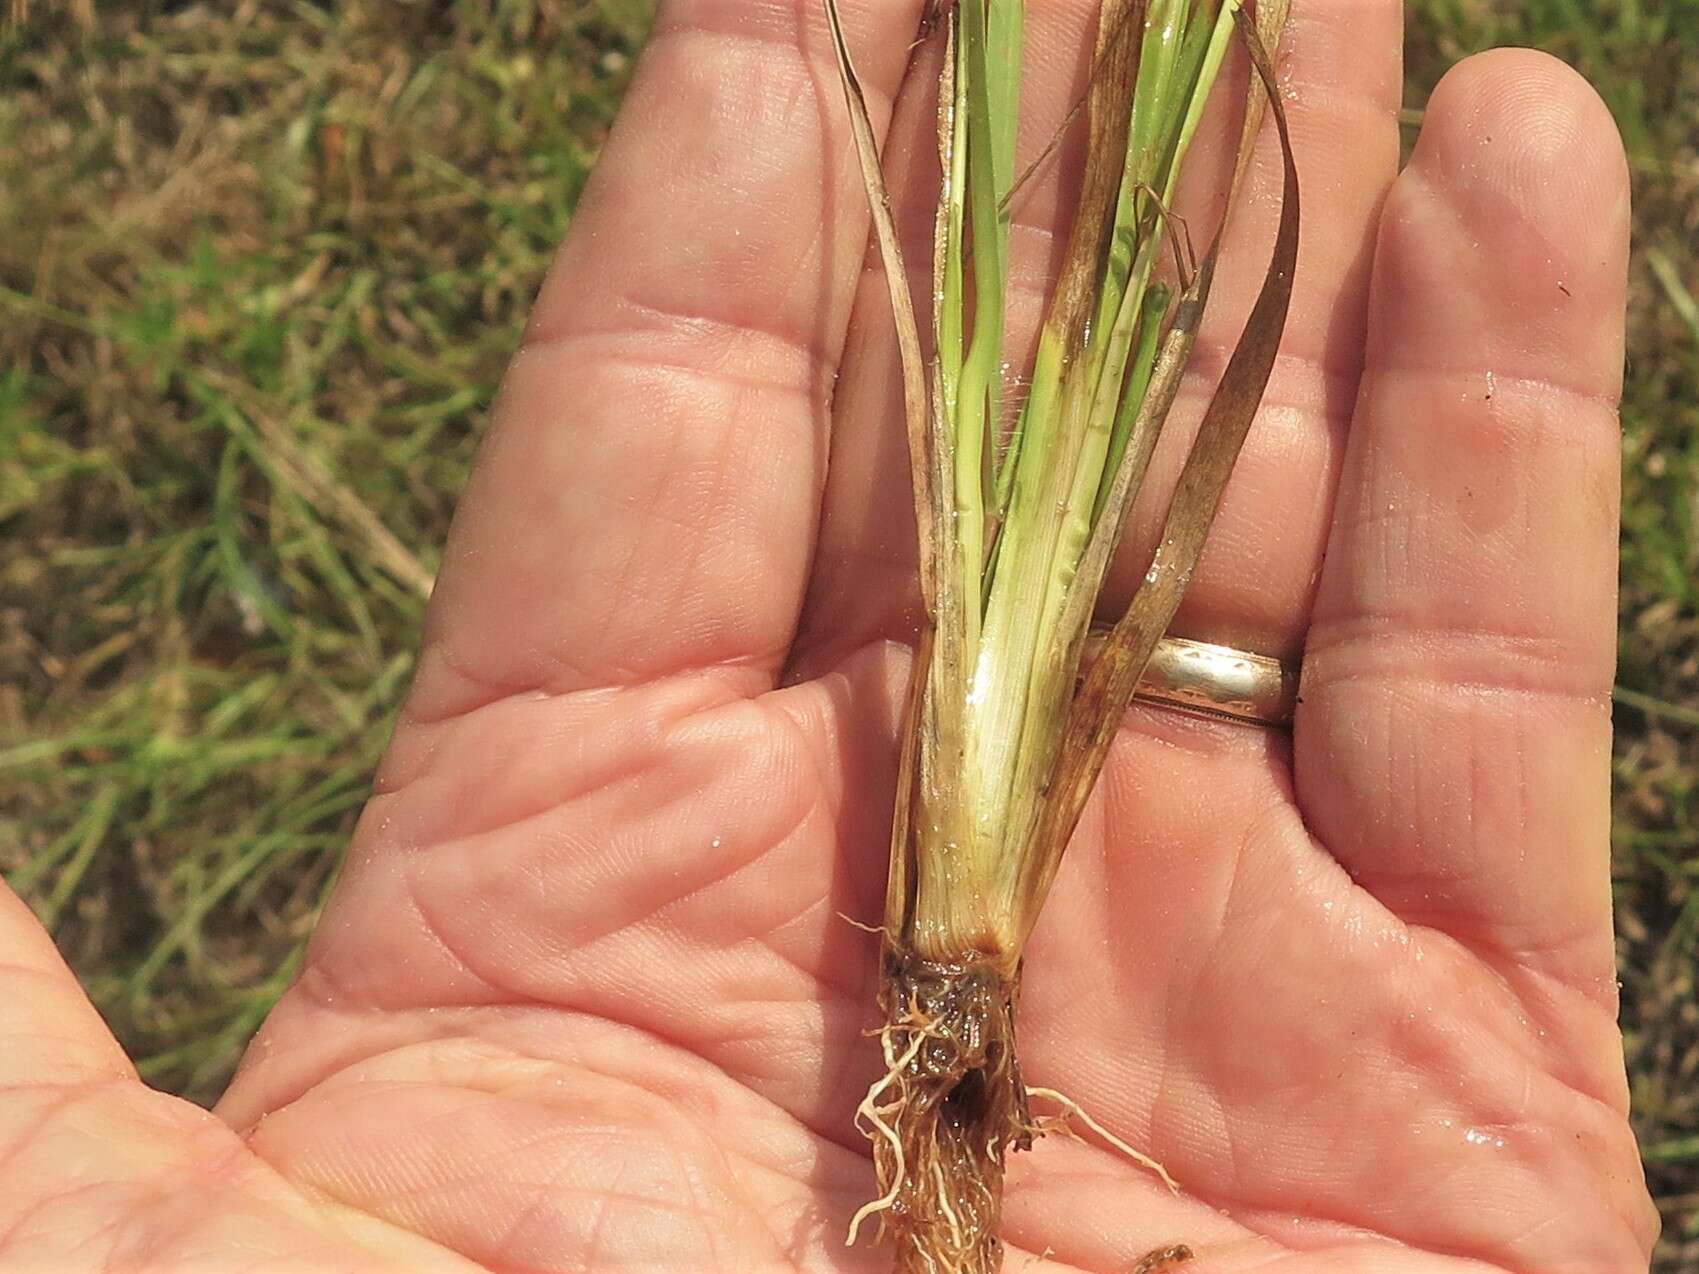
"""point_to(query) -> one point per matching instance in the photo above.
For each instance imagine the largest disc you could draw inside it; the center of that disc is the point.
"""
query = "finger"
(644, 502)
(51, 1031)
(1339, 65)
(1454, 734)
(1398, 1085)
(97, 1167)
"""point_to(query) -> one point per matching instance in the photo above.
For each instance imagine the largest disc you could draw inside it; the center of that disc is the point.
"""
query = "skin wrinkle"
(607, 351)
(1274, 1227)
(338, 1084)
(635, 920)
(547, 1189)
(1223, 1199)
(822, 735)
(777, 354)
(1465, 898)
(1079, 1251)
(426, 1025)
(1216, 935)
(1244, 1206)
(1424, 947)
(8, 1153)
(604, 1196)
(1551, 955)
(742, 682)
(707, 695)
(582, 945)
(328, 984)
(205, 1130)
(683, 1171)
(772, 24)
(60, 1048)
(463, 1104)
(113, 1202)
(840, 989)
(688, 657)
(344, 1076)
(697, 891)
(345, 1073)
(501, 990)
(69, 1095)
(591, 1247)
(33, 1211)
(1562, 394)
(1388, 648)
(153, 1240)
(653, 511)
(1549, 1046)
(1400, 526)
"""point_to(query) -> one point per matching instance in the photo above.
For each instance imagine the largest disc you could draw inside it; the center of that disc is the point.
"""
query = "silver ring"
(1216, 681)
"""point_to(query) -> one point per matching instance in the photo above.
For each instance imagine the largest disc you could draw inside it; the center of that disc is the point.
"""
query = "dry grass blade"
(915, 392)
(1109, 686)
(945, 592)
(336, 503)
(899, 881)
(1113, 76)
(1261, 35)
(930, 462)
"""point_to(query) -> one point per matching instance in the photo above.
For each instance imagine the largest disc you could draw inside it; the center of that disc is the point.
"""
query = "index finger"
(644, 501)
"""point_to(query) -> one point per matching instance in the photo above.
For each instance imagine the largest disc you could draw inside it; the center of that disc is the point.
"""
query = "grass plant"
(1006, 732)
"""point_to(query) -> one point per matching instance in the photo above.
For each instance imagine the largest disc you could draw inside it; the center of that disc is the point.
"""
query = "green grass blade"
(1143, 364)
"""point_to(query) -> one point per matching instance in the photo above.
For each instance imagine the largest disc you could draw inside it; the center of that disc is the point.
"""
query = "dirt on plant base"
(947, 1111)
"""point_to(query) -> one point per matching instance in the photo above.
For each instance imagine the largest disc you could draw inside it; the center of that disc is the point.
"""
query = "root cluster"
(949, 1107)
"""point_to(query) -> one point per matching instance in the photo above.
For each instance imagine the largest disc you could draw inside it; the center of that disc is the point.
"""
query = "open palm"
(586, 997)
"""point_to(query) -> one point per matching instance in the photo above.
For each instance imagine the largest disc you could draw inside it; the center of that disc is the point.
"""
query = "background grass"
(262, 263)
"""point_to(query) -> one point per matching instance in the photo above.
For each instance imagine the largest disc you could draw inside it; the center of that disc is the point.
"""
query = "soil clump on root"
(949, 1108)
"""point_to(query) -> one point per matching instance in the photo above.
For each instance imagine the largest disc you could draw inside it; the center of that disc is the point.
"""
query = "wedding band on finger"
(1216, 681)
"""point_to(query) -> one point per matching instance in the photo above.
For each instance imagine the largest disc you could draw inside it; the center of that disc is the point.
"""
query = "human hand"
(583, 998)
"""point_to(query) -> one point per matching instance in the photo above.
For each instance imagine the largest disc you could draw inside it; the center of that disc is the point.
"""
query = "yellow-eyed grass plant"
(1004, 737)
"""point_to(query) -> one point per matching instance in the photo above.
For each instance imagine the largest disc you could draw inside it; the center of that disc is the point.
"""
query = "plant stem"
(1093, 366)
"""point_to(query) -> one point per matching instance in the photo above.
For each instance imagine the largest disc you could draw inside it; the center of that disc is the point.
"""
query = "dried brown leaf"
(914, 378)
